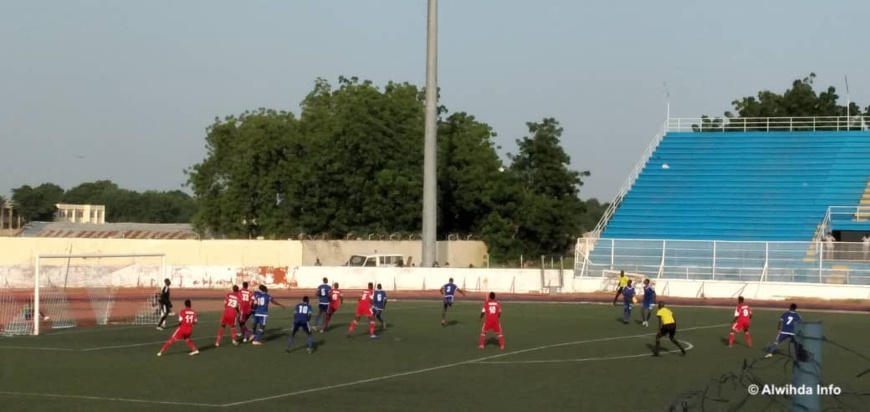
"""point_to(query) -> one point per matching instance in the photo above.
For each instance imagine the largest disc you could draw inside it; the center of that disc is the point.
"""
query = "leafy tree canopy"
(351, 163)
(800, 100)
(122, 205)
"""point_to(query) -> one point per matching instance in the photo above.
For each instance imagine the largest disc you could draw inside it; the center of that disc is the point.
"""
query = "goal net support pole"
(36, 310)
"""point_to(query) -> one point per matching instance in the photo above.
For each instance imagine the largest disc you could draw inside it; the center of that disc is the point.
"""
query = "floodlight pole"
(430, 149)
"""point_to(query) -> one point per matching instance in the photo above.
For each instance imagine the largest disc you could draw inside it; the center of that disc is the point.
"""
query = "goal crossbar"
(36, 273)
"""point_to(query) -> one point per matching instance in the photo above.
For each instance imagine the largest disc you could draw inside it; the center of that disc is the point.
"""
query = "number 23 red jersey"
(186, 319)
(491, 308)
(231, 303)
(743, 312)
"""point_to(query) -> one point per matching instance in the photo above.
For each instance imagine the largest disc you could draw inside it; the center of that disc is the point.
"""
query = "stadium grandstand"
(763, 199)
(108, 230)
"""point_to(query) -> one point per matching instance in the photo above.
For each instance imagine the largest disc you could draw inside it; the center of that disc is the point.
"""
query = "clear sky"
(123, 90)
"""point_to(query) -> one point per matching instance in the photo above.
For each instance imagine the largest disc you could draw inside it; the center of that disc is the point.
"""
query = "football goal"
(85, 290)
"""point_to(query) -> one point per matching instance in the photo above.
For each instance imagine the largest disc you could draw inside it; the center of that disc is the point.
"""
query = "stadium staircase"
(737, 188)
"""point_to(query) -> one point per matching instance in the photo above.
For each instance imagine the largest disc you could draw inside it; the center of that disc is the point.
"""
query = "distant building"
(9, 221)
(80, 213)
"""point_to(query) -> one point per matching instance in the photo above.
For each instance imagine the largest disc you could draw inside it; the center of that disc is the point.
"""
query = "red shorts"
(491, 327)
(180, 333)
(332, 309)
(364, 312)
(243, 317)
(741, 325)
(229, 318)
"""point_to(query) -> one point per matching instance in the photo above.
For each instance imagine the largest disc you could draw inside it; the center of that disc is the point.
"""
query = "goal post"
(94, 289)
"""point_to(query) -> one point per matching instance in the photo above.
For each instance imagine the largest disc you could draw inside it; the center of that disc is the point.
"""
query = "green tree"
(800, 100)
(548, 219)
(470, 174)
(37, 203)
(123, 205)
(241, 184)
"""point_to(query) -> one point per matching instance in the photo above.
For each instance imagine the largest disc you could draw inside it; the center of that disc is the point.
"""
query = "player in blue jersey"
(448, 290)
(649, 301)
(323, 292)
(628, 293)
(262, 299)
(379, 303)
(301, 316)
(787, 327)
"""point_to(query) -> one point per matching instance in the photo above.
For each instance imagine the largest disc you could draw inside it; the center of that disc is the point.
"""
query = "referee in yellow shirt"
(667, 326)
(623, 282)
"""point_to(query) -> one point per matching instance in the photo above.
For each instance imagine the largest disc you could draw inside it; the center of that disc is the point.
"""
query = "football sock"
(482, 339)
(748, 338)
(352, 326)
(625, 314)
(317, 320)
(232, 330)
(730, 338)
(244, 331)
(380, 317)
(501, 341)
(290, 342)
(310, 341)
(220, 335)
(371, 327)
(190, 344)
(678, 344)
(444, 315)
(259, 334)
(326, 323)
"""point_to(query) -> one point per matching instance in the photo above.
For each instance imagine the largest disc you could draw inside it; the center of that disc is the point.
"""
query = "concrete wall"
(23, 250)
(458, 253)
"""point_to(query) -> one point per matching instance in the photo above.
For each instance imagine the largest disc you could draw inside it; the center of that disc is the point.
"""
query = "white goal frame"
(37, 273)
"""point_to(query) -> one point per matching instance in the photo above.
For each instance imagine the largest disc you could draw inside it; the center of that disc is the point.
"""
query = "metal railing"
(767, 124)
(628, 184)
(837, 214)
(815, 262)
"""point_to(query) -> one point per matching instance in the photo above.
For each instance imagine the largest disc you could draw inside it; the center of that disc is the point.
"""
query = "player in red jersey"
(742, 315)
(492, 311)
(336, 298)
(364, 308)
(186, 320)
(245, 309)
(230, 317)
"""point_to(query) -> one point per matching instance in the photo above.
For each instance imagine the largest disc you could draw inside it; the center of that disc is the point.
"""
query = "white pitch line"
(446, 366)
(136, 345)
(689, 346)
(38, 348)
(99, 398)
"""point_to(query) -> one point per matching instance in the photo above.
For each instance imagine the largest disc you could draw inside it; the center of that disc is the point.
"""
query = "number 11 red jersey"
(186, 319)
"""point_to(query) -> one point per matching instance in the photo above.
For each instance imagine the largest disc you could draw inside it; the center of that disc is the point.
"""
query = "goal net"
(84, 290)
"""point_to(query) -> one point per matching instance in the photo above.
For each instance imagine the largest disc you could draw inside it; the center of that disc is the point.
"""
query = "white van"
(379, 260)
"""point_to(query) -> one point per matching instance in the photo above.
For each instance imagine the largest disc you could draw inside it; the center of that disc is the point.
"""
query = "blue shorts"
(448, 301)
(301, 325)
(377, 309)
(628, 306)
(324, 307)
(782, 337)
(648, 305)
(260, 319)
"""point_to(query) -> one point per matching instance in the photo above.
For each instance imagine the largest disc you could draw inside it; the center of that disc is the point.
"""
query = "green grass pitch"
(558, 357)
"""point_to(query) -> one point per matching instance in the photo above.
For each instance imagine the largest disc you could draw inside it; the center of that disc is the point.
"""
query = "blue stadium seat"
(739, 189)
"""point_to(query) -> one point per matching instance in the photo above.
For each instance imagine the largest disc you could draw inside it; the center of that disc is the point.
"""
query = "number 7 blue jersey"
(789, 320)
